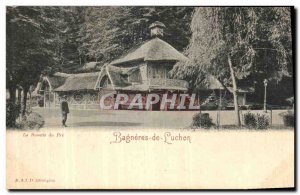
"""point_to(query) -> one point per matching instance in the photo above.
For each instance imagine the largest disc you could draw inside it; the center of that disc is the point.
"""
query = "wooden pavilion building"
(142, 70)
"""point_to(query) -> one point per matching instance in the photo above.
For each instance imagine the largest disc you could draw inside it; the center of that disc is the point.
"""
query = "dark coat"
(64, 107)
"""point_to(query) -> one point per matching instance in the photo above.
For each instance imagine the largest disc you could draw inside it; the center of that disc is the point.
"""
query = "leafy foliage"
(263, 121)
(31, 46)
(288, 119)
(230, 42)
(49, 39)
(32, 121)
(12, 113)
(258, 40)
(256, 121)
(70, 38)
(109, 32)
(202, 120)
(250, 120)
(43, 40)
(31, 43)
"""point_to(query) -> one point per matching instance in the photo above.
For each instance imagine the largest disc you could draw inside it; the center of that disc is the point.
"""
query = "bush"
(256, 121)
(262, 121)
(202, 120)
(32, 121)
(12, 113)
(250, 120)
(288, 118)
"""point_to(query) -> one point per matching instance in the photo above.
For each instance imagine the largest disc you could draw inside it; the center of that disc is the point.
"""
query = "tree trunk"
(11, 119)
(30, 98)
(25, 91)
(234, 92)
(12, 94)
(19, 96)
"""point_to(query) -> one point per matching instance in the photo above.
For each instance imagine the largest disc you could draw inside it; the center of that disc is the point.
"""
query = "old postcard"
(152, 97)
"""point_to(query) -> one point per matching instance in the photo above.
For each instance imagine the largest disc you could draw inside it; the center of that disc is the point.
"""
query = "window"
(135, 77)
(159, 72)
(125, 77)
(105, 82)
(78, 97)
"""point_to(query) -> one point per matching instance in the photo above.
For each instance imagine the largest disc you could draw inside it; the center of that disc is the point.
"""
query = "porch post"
(49, 96)
(85, 100)
(44, 98)
(219, 111)
(244, 100)
(54, 99)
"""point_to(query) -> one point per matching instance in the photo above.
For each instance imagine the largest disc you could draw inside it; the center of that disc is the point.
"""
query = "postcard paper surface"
(149, 97)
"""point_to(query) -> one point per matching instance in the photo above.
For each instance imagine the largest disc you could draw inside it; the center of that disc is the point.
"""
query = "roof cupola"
(157, 29)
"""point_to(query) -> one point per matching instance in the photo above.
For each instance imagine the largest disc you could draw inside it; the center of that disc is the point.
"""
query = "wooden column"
(44, 99)
(54, 99)
(49, 96)
(85, 100)
(244, 100)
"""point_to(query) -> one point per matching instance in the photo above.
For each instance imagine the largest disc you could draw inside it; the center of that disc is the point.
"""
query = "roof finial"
(157, 29)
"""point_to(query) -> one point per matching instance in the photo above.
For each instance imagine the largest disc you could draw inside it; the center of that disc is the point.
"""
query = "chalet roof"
(53, 81)
(56, 80)
(117, 76)
(81, 81)
(90, 66)
(152, 50)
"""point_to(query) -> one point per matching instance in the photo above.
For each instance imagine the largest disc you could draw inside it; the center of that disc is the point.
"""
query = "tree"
(70, 37)
(31, 47)
(229, 42)
(109, 32)
(42, 40)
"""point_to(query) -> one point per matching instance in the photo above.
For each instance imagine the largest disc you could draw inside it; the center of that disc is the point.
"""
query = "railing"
(168, 82)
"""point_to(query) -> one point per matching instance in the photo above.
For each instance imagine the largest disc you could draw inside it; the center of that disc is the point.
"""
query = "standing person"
(64, 110)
